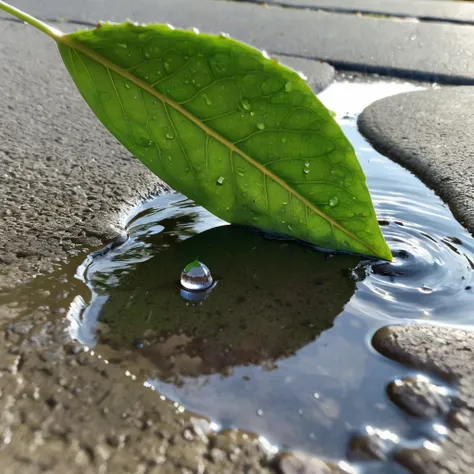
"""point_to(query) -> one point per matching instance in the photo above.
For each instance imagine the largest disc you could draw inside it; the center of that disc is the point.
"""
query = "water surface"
(281, 346)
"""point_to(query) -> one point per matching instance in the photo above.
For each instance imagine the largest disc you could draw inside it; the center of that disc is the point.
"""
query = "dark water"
(282, 346)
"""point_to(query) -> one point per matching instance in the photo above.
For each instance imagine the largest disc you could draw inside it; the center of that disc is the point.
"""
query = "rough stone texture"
(447, 353)
(65, 182)
(430, 133)
(66, 410)
(425, 51)
(427, 10)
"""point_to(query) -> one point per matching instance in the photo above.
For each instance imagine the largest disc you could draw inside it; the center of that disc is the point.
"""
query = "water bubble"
(260, 125)
(290, 228)
(195, 30)
(224, 35)
(169, 136)
(333, 201)
(307, 164)
(259, 412)
(305, 170)
(220, 180)
(252, 113)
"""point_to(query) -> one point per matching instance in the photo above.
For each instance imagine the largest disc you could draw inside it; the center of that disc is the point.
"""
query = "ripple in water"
(281, 346)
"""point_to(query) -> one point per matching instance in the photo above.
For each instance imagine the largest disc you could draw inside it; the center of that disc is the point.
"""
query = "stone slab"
(425, 51)
(430, 133)
(446, 353)
(425, 10)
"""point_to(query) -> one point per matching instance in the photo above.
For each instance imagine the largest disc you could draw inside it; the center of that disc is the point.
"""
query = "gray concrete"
(426, 10)
(448, 354)
(65, 182)
(425, 51)
(430, 133)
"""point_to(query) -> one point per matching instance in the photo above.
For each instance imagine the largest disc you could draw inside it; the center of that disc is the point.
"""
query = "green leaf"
(193, 264)
(228, 127)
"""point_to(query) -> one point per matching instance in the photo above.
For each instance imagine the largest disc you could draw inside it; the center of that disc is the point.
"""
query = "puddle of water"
(281, 346)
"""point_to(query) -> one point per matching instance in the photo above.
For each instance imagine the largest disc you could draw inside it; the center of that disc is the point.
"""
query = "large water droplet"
(260, 125)
(220, 180)
(333, 201)
(196, 277)
(169, 136)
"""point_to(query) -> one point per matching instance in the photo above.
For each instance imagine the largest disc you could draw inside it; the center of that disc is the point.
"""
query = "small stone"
(299, 463)
(374, 444)
(420, 397)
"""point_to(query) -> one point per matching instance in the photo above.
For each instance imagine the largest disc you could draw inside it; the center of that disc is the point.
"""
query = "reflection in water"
(281, 345)
(273, 298)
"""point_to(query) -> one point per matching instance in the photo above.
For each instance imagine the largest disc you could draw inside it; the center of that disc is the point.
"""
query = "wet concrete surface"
(429, 133)
(64, 409)
(65, 182)
(449, 354)
(426, 10)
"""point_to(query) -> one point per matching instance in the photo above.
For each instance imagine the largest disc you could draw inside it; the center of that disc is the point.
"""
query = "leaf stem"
(31, 20)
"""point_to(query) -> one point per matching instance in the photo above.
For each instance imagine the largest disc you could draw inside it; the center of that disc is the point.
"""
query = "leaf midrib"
(76, 45)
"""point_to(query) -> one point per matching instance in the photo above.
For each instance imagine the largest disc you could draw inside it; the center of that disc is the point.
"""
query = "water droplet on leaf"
(246, 104)
(260, 125)
(169, 136)
(333, 201)
(220, 180)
